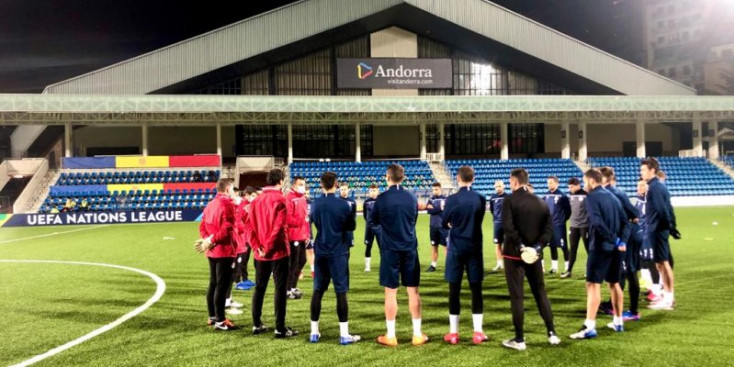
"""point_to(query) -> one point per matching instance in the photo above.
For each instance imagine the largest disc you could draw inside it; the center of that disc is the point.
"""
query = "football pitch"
(45, 305)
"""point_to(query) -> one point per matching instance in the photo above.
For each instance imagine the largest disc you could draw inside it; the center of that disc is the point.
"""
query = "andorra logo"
(363, 70)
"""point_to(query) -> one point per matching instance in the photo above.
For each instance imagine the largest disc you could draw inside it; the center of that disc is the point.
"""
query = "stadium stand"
(490, 170)
(124, 183)
(360, 175)
(689, 176)
(728, 160)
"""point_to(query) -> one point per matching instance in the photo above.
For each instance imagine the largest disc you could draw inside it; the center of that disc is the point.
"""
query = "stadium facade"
(465, 78)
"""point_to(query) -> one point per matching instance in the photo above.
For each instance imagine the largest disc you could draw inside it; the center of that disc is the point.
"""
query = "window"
(671, 72)
(661, 40)
(661, 72)
(230, 87)
(472, 139)
(728, 53)
(687, 70)
(686, 35)
(526, 138)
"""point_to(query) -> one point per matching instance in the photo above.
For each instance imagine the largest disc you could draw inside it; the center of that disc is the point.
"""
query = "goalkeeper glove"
(530, 254)
(203, 245)
(675, 234)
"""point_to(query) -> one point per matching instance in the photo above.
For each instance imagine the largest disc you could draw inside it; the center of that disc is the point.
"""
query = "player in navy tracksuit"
(495, 206)
(560, 208)
(438, 234)
(463, 216)
(344, 194)
(396, 212)
(631, 260)
(661, 223)
(608, 224)
(369, 230)
(333, 219)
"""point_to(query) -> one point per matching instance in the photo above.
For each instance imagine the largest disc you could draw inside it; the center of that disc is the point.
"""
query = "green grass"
(45, 305)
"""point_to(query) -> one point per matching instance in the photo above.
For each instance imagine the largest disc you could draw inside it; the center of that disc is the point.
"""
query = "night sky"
(46, 41)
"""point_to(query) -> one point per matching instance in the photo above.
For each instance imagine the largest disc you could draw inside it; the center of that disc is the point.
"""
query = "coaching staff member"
(396, 212)
(217, 230)
(528, 227)
(269, 241)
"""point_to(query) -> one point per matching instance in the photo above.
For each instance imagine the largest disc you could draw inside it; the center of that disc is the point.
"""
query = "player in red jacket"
(268, 231)
(299, 232)
(218, 241)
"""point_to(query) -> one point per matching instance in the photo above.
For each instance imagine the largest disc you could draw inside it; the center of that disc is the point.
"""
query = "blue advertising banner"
(86, 218)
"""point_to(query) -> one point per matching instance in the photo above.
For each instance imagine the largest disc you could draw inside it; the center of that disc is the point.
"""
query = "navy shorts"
(499, 234)
(604, 266)
(457, 264)
(559, 236)
(646, 252)
(328, 269)
(438, 236)
(397, 266)
(660, 245)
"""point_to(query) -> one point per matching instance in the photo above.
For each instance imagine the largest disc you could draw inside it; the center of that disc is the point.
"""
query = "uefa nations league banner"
(382, 73)
(86, 218)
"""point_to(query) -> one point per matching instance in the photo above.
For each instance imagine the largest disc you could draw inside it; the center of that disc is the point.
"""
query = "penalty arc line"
(160, 289)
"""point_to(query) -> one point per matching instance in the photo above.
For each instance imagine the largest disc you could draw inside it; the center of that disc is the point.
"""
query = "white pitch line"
(160, 289)
(54, 234)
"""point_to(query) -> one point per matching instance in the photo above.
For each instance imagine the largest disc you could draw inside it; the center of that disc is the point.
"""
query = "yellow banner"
(135, 187)
(142, 162)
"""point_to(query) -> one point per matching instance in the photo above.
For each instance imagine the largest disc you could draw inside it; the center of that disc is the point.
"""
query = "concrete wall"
(4, 175)
(161, 140)
(400, 141)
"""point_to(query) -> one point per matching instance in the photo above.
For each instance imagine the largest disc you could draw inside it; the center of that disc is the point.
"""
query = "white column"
(441, 141)
(219, 139)
(697, 138)
(583, 149)
(565, 141)
(290, 142)
(504, 141)
(68, 148)
(145, 138)
(358, 142)
(423, 142)
(640, 139)
(713, 140)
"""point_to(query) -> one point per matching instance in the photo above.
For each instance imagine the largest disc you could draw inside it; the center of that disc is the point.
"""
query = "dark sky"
(46, 41)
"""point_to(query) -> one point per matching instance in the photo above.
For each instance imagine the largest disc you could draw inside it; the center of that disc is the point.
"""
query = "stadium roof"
(184, 110)
(475, 25)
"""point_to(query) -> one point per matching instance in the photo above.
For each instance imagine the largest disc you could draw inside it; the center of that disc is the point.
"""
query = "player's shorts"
(646, 251)
(604, 266)
(309, 244)
(660, 245)
(327, 269)
(397, 266)
(438, 236)
(499, 234)
(559, 236)
(457, 264)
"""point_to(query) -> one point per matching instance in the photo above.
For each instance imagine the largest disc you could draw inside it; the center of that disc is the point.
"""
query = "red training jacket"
(240, 230)
(218, 221)
(267, 227)
(298, 226)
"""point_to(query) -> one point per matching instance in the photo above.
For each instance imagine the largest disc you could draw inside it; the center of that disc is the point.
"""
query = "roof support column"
(144, 129)
(423, 142)
(713, 140)
(504, 141)
(358, 142)
(219, 139)
(697, 140)
(441, 141)
(583, 148)
(68, 148)
(640, 139)
(565, 141)
(290, 142)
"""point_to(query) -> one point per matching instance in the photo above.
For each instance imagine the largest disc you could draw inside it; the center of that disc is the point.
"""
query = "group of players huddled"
(620, 239)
